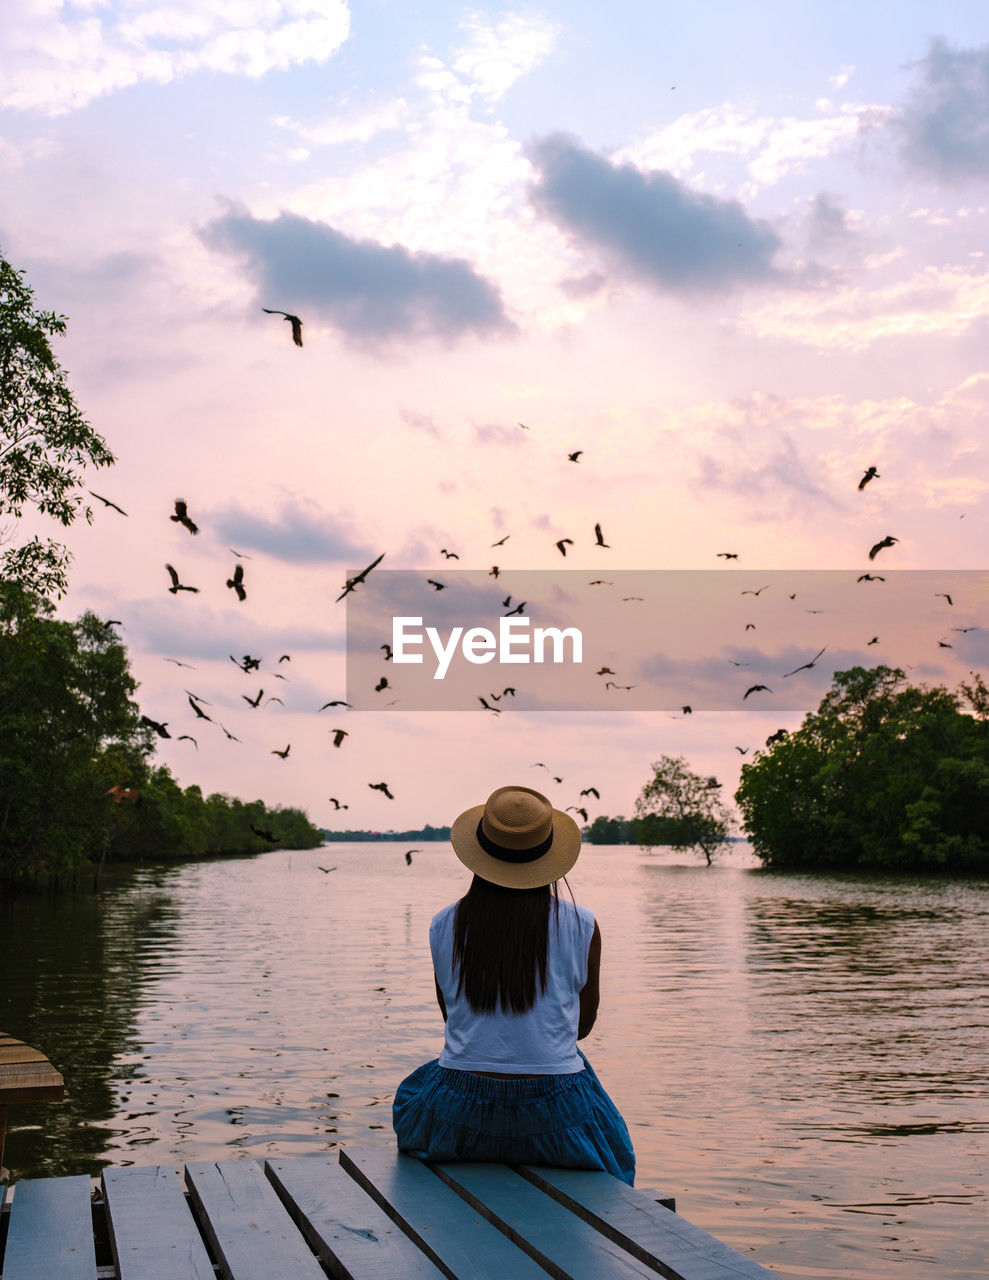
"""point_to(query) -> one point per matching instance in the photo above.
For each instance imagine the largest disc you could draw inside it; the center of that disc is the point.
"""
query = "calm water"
(802, 1062)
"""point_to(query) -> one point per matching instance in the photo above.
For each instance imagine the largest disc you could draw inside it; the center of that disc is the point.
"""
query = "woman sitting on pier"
(517, 980)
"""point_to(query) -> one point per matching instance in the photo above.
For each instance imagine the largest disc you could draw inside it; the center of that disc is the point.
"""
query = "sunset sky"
(734, 254)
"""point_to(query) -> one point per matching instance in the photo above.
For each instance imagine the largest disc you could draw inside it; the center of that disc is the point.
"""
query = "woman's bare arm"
(590, 995)
(439, 997)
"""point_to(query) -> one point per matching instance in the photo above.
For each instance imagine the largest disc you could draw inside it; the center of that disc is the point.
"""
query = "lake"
(801, 1061)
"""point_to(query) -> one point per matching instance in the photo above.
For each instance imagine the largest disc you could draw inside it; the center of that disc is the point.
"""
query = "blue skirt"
(568, 1121)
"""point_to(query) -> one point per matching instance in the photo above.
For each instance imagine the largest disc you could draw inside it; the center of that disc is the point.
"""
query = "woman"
(517, 981)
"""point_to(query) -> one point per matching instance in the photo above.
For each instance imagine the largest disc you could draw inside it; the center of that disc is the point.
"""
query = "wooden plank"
(250, 1232)
(50, 1233)
(30, 1082)
(635, 1219)
(17, 1052)
(350, 1232)
(459, 1240)
(563, 1244)
(152, 1230)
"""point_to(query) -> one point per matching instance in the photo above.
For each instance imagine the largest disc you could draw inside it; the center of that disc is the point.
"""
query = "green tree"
(690, 809)
(44, 439)
(884, 775)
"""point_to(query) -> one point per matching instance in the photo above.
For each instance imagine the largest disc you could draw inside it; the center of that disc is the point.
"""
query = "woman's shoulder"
(583, 917)
(442, 918)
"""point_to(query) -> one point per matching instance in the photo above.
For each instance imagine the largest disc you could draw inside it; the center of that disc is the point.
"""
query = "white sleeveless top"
(541, 1041)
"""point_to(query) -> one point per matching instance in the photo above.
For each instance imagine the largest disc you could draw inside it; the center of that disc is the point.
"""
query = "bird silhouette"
(501, 541)
(610, 684)
(753, 593)
(382, 787)
(294, 321)
(187, 665)
(518, 609)
(600, 582)
(727, 555)
(943, 644)
(182, 516)
(450, 555)
(487, 706)
(338, 736)
(743, 751)
(625, 598)
(230, 736)
(756, 688)
(387, 650)
(106, 502)
(337, 702)
(200, 713)
(274, 699)
(282, 754)
(160, 729)
(286, 657)
(591, 791)
(262, 834)
(382, 684)
(493, 572)
(871, 474)
(749, 626)
(575, 808)
(358, 578)
(237, 582)
(233, 551)
(187, 737)
(778, 736)
(944, 596)
(253, 702)
(326, 870)
(599, 537)
(874, 640)
(888, 541)
(573, 457)
(440, 586)
(806, 667)
(562, 545)
(336, 803)
(176, 585)
(870, 577)
(408, 856)
(687, 710)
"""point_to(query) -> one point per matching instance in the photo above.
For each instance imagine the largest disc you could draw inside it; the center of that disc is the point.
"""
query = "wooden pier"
(358, 1214)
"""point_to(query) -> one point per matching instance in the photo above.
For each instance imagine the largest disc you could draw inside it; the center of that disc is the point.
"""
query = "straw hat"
(516, 839)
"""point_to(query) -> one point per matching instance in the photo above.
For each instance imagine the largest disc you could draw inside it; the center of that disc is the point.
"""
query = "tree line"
(422, 833)
(78, 785)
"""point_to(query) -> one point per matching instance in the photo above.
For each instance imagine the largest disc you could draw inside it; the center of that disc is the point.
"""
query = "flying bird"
(870, 577)
(450, 555)
(382, 787)
(188, 665)
(382, 684)
(610, 684)
(230, 736)
(600, 582)
(727, 555)
(160, 729)
(273, 699)
(944, 596)
(106, 502)
(351, 583)
(605, 671)
(176, 585)
(487, 705)
(262, 834)
(501, 541)
(573, 457)
(687, 711)
(599, 537)
(253, 702)
(871, 474)
(524, 427)
(200, 713)
(749, 626)
(591, 791)
(778, 736)
(336, 803)
(518, 609)
(286, 657)
(237, 582)
(577, 809)
(888, 541)
(743, 751)
(246, 663)
(943, 644)
(562, 545)
(283, 754)
(233, 551)
(874, 640)
(326, 870)
(182, 516)
(187, 737)
(338, 736)
(337, 702)
(440, 586)
(756, 688)
(388, 652)
(806, 667)
(294, 321)
(753, 593)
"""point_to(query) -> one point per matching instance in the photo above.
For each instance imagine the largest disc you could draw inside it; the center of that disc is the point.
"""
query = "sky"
(733, 255)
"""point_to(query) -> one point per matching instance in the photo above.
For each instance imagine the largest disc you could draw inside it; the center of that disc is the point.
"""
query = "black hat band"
(512, 855)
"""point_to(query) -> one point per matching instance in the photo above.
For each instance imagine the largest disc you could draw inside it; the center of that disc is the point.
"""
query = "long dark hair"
(501, 944)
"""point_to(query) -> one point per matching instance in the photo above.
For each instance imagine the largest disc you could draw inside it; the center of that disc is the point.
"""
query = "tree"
(690, 812)
(44, 439)
(882, 776)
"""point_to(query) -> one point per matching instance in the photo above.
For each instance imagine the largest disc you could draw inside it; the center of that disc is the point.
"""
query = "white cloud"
(841, 77)
(497, 55)
(934, 301)
(59, 57)
(346, 125)
(769, 145)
